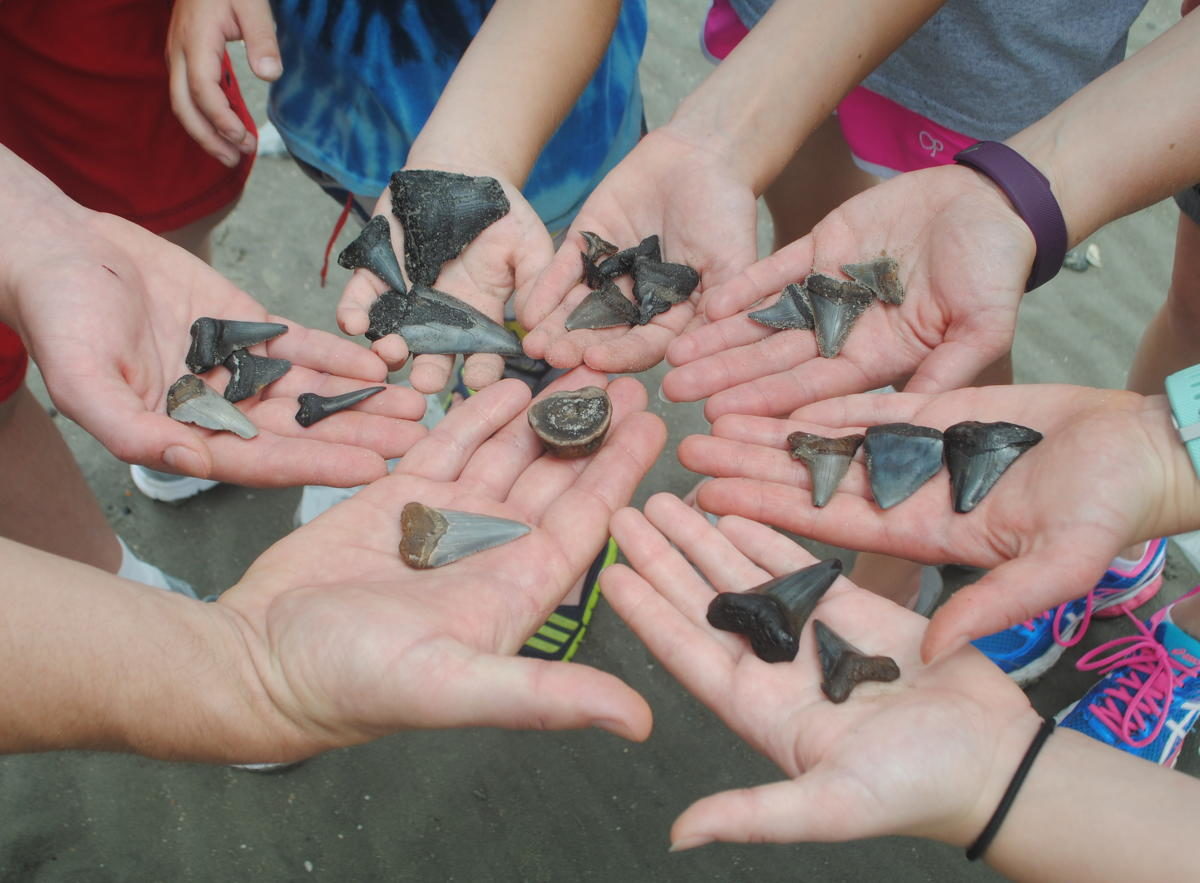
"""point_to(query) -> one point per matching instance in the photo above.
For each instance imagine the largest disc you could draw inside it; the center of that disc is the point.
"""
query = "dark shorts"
(1189, 202)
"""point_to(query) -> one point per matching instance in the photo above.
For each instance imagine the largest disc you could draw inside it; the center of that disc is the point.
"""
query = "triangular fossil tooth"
(373, 251)
(606, 307)
(800, 590)
(215, 340)
(591, 276)
(659, 285)
(844, 666)
(622, 262)
(191, 400)
(572, 423)
(314, 407)
(597, 247)
(836, 306)
(881, 275)
(431, 321)
(387, 314)
(442, 212)
(900, 458)
(790, 311)
(827, 459)
(977, 455)
(249, 373)
(433, 537)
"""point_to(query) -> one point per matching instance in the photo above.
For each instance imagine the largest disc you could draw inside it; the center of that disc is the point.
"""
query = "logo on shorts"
(930, 143)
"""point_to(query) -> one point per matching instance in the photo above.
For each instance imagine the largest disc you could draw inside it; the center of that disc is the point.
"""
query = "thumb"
(257, 26)
(537, 299)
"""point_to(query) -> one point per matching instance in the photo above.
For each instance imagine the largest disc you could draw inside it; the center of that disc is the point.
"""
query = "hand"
(507, 254)
(927, 755)
(664, 187)
(105, 310)
(196, 42)
(350, 643)
(1101, 478)
(964, 257)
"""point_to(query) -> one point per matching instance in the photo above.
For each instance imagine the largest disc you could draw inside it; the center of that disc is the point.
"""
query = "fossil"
(977, 454)
(572, 423)
(827, 459)
(431, 321)
(249, 373)
(373, 251)
(591, 276)
(605, 307)
(836, 305)
(622, 262)
(191, 400)
(215, 340)
(597, 247)
(792, 310)
(314, 408)
(900, 458)
(881, 276)
(433, 537)
(844, 666)
(659, 285)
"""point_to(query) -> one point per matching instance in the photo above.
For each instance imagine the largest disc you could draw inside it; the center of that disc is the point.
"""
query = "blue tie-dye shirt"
(362, 76)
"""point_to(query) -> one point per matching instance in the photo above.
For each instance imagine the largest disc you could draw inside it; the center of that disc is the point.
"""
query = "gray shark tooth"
(900, 458)
(442, 212)
(314, 407)
(431, 321)
(249, 373)
(597, 247)
(881, 275)
(622, 262)
(605, 307)
(572, 423)
(827, 459)
(836, 306)
(977, 455)
(215, 340)
(659, 285)
(844, 666)
(790, 311)
(191, 400)
(373, 251)
(433, 537)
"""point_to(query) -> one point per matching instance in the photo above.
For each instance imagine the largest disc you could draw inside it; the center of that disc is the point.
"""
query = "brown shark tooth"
(836, 305)
(442, 212)
(790, 311)
(597, 247)
(434, 537)
(659, 285)
(827, 459)
(622, 262)
(431, 321)
(191, 400)
(977, 454)
(900, 458)
(606, 307)
(881, 275)
(373, 251)
(215, 340)
(844, 666)
(572, 423)
(249, 373)
(314, 408)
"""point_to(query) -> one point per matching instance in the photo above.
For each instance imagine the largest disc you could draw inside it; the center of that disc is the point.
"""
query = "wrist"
(733, 142)
(1177, 508)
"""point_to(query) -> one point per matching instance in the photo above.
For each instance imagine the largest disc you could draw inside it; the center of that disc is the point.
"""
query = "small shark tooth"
(790, 311)
(881, 275)
(659, 285)
(900, 458)
(591, 276)
(597, 247)
(373, 251)
(827, 459)
(606, 307)
(249, 373)
(771, 615)
(977, 455)
(844, 666)
(572, 423)
(433, 537)
(191, 400)
(314, 407)
(431, 321)
(836, 306)
(622, 262)
(215, 340)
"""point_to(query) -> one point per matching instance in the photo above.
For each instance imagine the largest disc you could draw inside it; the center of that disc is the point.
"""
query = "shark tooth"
(836, 306)
(442, 212)
(215, 340)
(249, 373)
(431, 321)
(572, 423)
(373, 251)
(314, 408)
(790, 311)
(597, 247)
(900, 458)
(881, 275)
(433, 537)
(844, 666)
(659, 285)
(591, 276)
(827, 460)
(771, 615)
(191, 400)
(605, 307)
(977, 455)
(622, 262)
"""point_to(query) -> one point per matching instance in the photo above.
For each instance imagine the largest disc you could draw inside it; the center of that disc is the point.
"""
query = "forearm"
(515, 84)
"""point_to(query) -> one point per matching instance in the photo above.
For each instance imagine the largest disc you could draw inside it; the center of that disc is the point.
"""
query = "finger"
(385, 436)
(716, 337)
(322, 351)
(354, 307)
(430, 373)
(204, 86)
(790, 264)
(723, 458)
(393, 349)
(269, 460)
(769, 549)
(785, 391)
(866, 409)
(257, 27)
(537, 300)
(193, 121)
(482, 369)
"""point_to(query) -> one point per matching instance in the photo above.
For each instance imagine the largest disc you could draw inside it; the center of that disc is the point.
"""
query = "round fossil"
(572, 423)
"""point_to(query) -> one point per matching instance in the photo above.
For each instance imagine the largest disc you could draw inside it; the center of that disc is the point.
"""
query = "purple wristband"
(1029, 192)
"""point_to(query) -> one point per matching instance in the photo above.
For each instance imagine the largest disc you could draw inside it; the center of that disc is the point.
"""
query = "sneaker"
(166, 487)
(1133, 587)
(1149, 698)
(560, 636)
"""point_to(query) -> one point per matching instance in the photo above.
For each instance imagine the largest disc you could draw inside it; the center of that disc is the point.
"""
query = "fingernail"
(185, 461)
(268, 67)
(688, 843)
(662, 396)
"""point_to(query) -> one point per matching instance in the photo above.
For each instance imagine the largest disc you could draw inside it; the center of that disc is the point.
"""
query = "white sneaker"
(166, 487)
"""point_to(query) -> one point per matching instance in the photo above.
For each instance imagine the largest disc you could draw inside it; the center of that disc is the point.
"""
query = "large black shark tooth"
(659, 285)
(215, 340)
(792, 310)
(431, 321)
(881, 275)
(827, 459)
(844, 666)
(432, 537)
(314, 408)
(442, 212)
(771, 615)
(249, 373)
(373, 251)
(597, 247)
(900, 458)
(191, 400)
(622, 262)
(606, 307)
(836, 305)
(572, 423)
(977, 455)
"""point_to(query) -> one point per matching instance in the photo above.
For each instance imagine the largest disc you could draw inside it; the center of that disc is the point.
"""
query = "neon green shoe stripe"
(554, 634)
(563, 622)
(538, 644)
